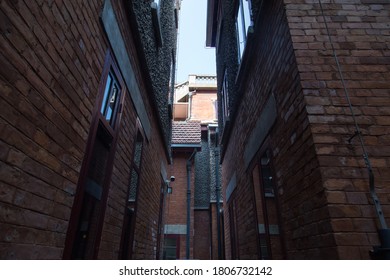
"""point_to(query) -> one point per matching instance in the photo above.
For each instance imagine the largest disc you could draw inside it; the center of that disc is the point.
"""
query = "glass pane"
(133, 185)
(240, 31)
(247, 15)
(243, 23)
(110, 99)
(88, 227)
(111, 102)
(83, 247)
(263, 247)
(106, 91)
(170, 242)
(266, 174)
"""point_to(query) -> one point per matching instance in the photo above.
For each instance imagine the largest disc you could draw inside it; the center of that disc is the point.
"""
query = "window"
(156, 10)
(266, 175)
(86, 221)
(243, 21)
(171, 90)
(130, 210)
(225, 98)
(270, 241)
(110, 99)
(171, 247)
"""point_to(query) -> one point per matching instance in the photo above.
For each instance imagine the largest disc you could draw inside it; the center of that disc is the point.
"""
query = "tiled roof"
(186, 133)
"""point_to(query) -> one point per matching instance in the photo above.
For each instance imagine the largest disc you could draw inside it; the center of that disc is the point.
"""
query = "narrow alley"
(283, 153)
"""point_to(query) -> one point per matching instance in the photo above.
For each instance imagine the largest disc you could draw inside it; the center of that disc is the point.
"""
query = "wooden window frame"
(138, 170)
(97, 120)
(177, 238)
(256, 166)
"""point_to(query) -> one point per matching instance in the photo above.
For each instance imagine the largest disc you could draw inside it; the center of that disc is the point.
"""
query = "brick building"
(85, 122)
(296, 158)
(191, 223)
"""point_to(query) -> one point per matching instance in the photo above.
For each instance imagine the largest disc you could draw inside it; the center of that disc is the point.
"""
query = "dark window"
(270, 241)
(130, 210)
(171, 247)
(266, 176)
(88, 226)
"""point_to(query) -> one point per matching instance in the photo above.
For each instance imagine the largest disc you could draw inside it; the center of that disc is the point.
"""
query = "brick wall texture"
(177, 201)
(202, 107)
(360, 33)
(52, 57)
(321, 180)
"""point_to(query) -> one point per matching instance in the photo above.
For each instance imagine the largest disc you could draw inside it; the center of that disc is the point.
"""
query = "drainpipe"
(189, 165)
(190, 94)
(218, 190)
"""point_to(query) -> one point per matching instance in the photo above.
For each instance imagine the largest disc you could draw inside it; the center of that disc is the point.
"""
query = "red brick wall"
(361, 39)
(273, 70)
(202, 107)
(52, 61)
(49, 78)
(321, 179)
(177, 201)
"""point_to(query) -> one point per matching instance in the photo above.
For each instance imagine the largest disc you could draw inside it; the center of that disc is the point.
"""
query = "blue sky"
(193, 56)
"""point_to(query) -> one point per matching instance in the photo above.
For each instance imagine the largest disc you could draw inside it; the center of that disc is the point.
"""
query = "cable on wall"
(382, 252)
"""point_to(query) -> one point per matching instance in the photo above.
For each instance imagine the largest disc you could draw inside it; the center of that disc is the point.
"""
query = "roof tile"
(186, 132)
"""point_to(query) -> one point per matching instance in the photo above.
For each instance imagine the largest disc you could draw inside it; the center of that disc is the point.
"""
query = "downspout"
(189, 165)
(217, 190)
(190, 104)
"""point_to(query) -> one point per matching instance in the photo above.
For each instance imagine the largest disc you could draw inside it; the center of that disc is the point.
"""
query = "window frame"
(155, 6)
(243, 22)
(98, 123)
(176, 237)
(129, 241)
(265, 198)
(225, 98)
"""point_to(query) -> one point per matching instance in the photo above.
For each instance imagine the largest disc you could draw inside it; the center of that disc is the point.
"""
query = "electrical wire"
(357, 128)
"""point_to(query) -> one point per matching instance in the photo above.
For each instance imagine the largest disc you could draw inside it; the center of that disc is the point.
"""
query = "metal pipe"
(384, 231)
(217, 190)
(189, 165)
(190, 94)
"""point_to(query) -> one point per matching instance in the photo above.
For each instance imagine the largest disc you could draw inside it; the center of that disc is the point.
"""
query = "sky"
(193, 56)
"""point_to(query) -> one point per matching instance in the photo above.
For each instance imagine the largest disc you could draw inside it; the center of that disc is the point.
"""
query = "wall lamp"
(169, 188)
